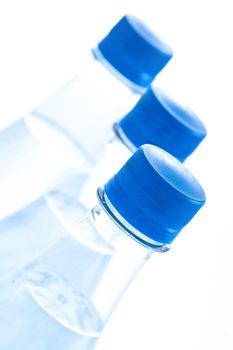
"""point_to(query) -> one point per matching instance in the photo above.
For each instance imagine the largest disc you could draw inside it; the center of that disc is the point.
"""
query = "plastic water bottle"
(156, 119)
(65, 134)
(64, 299)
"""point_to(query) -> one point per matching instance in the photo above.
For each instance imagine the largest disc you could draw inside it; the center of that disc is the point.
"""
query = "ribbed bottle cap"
(159, 120)
(155, 194)
(134, 51)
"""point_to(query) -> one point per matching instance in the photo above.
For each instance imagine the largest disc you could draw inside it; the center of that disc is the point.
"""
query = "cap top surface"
(174, 173)
(182, 113)
(148, 35)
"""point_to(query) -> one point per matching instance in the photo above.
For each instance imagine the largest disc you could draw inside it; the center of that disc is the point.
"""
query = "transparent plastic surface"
(25, 234)
(32, 327)
(30, 231)
(115, 155)
(31, 166)
(63, 136)
(69, 292)
(33, 229)
(87, 107)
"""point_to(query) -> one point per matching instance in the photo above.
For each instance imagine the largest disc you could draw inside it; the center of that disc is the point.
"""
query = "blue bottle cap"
(155, 193)
(134, 51)
(159, 120)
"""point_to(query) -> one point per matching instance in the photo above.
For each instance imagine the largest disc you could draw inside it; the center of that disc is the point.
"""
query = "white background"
(181, 299)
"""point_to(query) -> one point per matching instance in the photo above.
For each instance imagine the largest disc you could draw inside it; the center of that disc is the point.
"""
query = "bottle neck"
(130, 253)
(115, 154)
(128, 229)
(122, 138)
(118, 269)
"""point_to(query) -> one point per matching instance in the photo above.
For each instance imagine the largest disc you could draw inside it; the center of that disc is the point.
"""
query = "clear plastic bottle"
(66, 133)
(64, 299)
(156, 119)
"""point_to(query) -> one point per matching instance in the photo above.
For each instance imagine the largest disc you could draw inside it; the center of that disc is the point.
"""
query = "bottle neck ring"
(126, 227)
(119, 133)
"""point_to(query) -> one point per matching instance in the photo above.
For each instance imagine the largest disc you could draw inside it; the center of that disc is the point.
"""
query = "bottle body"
(79, 280)
(26, 234)
(28, 168)
(63, 136)
(78, 291)
(36, 227)
(31, 327)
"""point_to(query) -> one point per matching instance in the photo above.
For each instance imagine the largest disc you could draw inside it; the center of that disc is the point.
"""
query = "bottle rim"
(126, 227)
